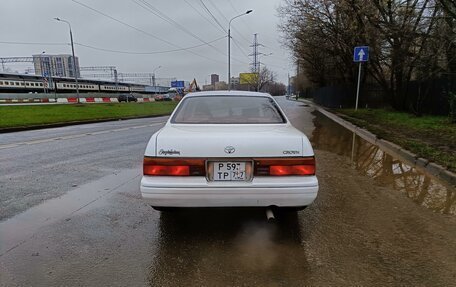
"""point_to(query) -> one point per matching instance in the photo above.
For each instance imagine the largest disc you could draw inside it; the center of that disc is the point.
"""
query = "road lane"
(42, 134)
(360, 231)
(42, 164)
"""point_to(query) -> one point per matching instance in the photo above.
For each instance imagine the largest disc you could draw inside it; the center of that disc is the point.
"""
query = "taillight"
(285, 167)
(173, 167)
(167, 170)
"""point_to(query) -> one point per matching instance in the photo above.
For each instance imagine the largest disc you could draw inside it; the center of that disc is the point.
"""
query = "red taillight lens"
(284, 167)
(173, 167)
(182, 170)
(292, 170)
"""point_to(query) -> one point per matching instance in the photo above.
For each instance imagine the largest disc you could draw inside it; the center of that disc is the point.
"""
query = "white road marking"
(8, 146)
(33, 142)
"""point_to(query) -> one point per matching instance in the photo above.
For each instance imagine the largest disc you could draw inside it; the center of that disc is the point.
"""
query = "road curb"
(58, 125)
(392, 148)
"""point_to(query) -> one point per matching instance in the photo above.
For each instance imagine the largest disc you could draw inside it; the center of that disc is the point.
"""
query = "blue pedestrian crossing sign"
(361, 54)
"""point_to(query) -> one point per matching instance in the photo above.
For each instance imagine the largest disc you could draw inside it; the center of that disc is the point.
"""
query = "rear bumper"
(196, 192)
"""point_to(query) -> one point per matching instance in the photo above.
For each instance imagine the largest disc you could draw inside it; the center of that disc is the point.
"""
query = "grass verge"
(430, 137)
(28, 116)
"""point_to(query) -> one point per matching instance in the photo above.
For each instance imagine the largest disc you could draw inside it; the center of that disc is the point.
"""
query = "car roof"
(228, 93)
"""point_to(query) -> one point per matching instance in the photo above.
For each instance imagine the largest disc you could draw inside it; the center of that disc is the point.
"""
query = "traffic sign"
(361, 54)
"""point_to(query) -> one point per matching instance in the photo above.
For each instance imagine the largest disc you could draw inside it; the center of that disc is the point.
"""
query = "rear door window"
(228, 110)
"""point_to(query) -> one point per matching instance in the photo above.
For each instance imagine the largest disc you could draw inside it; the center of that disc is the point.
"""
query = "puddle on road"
(385, 169)
(20, 228)
(215, 246)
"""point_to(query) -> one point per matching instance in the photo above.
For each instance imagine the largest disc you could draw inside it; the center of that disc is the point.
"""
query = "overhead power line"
(204, 16)
(221, 26)
(240, 48)
(213, 17)
(226, 19)
(33, 43)
(218, 10)
(123, 23)
(111, 50)
(154, 10)
(142, 31)
(148, 53)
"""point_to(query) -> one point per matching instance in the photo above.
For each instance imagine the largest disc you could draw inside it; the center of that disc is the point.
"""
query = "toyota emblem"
(230, 149)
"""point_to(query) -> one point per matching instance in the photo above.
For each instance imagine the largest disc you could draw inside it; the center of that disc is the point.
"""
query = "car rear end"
(229, 165)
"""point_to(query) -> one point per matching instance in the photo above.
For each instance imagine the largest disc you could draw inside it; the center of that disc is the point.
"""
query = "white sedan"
(229, 149)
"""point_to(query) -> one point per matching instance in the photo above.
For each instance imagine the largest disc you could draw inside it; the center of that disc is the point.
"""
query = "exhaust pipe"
(270, 215)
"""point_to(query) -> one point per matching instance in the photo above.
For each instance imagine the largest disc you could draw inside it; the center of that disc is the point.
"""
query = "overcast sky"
(32, 21)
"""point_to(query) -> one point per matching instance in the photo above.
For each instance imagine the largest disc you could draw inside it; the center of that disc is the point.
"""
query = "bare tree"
(258, 80)
(408, 40)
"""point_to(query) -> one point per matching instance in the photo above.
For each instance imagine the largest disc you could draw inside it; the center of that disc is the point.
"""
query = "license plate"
(230, 171)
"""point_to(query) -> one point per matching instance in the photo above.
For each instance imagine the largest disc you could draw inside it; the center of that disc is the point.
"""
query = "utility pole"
(256, 63)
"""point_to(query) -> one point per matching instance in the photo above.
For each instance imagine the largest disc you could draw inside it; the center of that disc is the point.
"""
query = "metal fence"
(420, 97)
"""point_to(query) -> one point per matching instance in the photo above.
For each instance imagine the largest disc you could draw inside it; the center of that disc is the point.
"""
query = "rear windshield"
(228, 110)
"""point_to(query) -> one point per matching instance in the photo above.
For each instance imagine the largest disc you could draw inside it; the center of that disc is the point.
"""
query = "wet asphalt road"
(72, 215)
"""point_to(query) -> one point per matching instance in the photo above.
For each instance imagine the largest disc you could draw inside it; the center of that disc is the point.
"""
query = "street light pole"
(42, 71)
(229, 45)
(74, 58)
(153, 74)
(49, 73)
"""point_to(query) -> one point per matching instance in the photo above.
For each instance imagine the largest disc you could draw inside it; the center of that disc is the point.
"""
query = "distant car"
(229, 149)
(168, 97)
(158, 98)
(126, 98)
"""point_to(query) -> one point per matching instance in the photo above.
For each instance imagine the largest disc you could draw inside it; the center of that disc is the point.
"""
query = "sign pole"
(357, 88)
(360, 55)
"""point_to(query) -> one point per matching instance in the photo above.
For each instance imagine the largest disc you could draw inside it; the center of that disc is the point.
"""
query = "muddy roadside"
(430, 137)
(401, 145)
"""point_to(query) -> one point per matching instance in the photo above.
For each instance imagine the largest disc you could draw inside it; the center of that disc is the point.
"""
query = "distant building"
(55, 65)
(235, 81)
(208, 87)
(221, 86)
(214, 79)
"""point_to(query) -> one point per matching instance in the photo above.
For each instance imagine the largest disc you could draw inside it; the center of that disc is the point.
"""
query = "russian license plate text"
(229, 171)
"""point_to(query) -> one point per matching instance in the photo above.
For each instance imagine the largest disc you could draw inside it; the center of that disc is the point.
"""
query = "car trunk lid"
(231, 141)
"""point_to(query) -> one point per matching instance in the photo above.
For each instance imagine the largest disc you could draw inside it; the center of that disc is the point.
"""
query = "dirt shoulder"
(430, 137)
